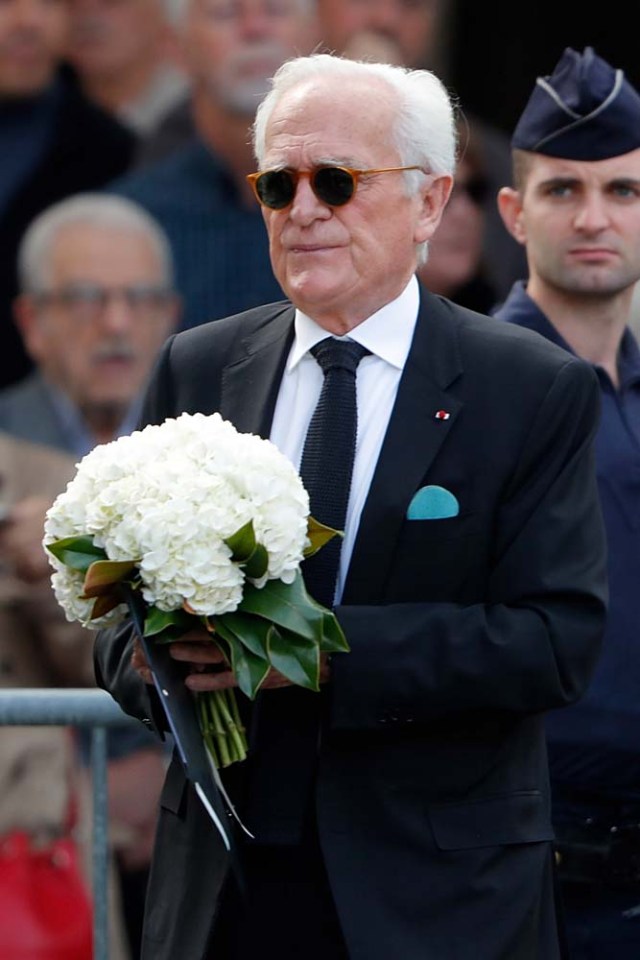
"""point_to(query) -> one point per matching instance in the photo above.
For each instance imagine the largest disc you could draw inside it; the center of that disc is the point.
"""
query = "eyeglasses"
(87, 302)
(332, 185)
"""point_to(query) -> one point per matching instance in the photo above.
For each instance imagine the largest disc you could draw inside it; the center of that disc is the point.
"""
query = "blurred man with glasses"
(96, 303)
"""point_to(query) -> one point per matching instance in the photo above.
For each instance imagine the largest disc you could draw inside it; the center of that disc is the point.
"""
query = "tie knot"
(346, 354)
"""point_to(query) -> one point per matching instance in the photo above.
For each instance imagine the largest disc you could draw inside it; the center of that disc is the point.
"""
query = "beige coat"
(39, 648)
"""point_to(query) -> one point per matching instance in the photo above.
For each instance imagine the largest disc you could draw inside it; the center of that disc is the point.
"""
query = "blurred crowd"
(125, 214)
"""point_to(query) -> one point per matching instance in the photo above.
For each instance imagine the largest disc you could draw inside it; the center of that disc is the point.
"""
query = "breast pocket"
(437, 559)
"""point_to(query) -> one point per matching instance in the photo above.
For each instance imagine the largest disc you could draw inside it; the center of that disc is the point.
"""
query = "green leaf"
(319, 535)
(176, 622)
(103, 574)
(250, 670)
(246, 551)
(105, 604)
(252, 631)
(287, 605)
(296, 659)
(256, 566)
(242, 543)
(333, 638)
(76, 552)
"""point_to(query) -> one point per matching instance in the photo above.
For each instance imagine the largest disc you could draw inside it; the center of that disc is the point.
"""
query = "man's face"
(107, 36)
(408, 24)
(100, 355)
(32, 38)
(341, 264)
(580, 222)
(231, 48)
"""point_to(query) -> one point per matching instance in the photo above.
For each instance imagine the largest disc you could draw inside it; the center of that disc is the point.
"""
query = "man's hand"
(208, 668)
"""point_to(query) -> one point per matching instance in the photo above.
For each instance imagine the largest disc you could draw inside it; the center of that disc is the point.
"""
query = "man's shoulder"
(26, 412)
(269, 318)
(504, 351)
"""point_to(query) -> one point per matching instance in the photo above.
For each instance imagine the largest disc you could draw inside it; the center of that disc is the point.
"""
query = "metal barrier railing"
(89, 708)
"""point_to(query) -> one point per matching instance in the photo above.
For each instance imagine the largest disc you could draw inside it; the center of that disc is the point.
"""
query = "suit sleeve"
(531, 641)
(113, 647)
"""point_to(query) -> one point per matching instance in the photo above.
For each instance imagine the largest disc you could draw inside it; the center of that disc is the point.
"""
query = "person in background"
(121, 51)
(410, 32)
(53, 142)
(96, 304)
(404, 811)
(43, 789)
(455, 266)
(575, 208)
(199, 193)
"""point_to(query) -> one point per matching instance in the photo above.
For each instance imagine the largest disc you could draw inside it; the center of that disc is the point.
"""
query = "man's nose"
(592, 214)
(306, 207)
(117, 314)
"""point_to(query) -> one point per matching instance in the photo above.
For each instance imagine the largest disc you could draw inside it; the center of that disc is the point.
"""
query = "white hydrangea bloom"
(168, 497)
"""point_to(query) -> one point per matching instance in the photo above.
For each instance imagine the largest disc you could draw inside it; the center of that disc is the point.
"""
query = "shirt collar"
(387, 333)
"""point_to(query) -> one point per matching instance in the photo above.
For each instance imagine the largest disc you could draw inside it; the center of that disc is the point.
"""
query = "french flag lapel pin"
(442, 415)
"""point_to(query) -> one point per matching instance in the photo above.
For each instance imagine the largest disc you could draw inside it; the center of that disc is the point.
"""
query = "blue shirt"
(78, 436)
(219, 244)
(594, 745)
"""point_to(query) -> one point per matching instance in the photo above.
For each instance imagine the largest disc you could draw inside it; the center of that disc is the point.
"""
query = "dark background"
(498, 48)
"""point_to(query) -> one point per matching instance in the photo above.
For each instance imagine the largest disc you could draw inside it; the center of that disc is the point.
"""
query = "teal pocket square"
(433, 503)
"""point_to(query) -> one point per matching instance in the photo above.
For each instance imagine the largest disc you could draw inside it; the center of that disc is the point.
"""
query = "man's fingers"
(196, 652)
(140, 664)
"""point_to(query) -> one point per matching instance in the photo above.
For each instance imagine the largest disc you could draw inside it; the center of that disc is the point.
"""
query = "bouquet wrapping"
(209, 527)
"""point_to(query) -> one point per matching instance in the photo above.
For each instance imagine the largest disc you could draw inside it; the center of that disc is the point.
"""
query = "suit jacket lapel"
(412, 441)
(251, 381)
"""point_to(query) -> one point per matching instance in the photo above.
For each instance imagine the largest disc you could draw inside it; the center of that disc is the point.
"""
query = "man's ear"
(510, 207)
(434, 200)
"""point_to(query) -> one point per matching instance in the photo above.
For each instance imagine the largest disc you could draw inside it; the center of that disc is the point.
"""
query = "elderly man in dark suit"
(408, 815)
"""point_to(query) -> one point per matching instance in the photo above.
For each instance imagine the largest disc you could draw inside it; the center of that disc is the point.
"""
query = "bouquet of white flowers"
(209, 526)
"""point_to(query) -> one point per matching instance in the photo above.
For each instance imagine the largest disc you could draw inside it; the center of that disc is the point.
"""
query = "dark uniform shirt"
(594, 745)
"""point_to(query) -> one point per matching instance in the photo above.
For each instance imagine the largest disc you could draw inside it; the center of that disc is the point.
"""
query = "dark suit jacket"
(89, 148)
(432, 794)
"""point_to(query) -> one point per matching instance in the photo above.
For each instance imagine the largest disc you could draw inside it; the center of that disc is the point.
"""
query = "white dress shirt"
(388, 335)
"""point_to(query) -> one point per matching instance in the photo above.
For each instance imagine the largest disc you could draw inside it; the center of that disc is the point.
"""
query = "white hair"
(424, 125)
(94, 210)
(424, 129)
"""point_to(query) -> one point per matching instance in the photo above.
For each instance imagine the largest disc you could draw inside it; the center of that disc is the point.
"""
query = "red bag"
(45, 907)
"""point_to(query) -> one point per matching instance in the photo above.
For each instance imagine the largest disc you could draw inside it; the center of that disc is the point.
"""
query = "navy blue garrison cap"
(586, 110)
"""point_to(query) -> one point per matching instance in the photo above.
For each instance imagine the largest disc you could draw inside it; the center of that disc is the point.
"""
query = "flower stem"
(221, 727)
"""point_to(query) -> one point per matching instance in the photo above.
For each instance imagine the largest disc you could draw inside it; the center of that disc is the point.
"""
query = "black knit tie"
(327, 459)
(284, 749)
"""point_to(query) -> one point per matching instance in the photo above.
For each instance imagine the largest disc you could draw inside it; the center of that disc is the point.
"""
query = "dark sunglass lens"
(276, 188)
(333, 185)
